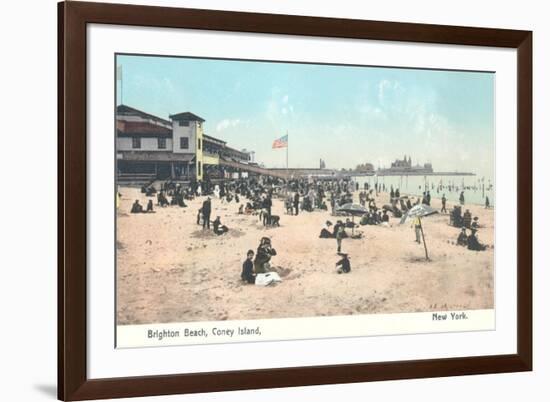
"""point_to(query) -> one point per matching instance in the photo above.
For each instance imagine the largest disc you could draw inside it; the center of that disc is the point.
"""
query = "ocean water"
(475, 188)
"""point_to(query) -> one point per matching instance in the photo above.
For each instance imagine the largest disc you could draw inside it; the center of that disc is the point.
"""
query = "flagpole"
(121, 87)
(287, 151)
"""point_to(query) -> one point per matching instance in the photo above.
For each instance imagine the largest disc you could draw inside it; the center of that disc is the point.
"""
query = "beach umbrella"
(419, 211)
(353, 210)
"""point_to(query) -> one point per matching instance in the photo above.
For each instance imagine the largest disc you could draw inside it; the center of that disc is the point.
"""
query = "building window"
(161, 143)
(199, 168)
(136, 142)
(184, 123)
(199, 144)
(184, 143)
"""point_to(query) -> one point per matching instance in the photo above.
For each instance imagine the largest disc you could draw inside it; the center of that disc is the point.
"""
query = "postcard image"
(268, 200)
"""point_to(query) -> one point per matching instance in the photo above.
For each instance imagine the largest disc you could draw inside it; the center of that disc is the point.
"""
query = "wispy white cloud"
(278, 105)
(227, 123)
(388, 88)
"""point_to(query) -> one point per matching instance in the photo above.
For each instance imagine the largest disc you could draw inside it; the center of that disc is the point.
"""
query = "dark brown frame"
(73, 383)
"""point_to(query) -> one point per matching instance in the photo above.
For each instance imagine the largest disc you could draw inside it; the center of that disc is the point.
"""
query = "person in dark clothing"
(462, 239)
(461, 198)
(199, 216)
(150, 206)
(248, 274)
(344, 263)
(397, 194)
(136, 208)
(296, 202)
(206, 210)
(424, 200)
(443, 204)
(268, 204)
(487, 204)
(263, 255)
(161, 199)
(340, 234)
(385, 217)
(456, 216)
(473, 242)
(325, 231)
(467, 219)
(219, 229)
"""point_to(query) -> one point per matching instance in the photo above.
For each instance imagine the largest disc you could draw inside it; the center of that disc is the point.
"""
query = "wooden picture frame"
(73, 17)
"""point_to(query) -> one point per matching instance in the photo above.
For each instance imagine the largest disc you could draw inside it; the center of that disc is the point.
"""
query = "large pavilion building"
(149, 147)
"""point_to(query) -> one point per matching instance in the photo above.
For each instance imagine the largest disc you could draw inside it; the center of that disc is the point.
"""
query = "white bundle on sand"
(267, 279)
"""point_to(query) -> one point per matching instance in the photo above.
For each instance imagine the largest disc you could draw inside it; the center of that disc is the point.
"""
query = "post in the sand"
(423, 239)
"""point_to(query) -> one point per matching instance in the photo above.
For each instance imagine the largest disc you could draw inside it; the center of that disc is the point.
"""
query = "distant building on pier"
(405, 166)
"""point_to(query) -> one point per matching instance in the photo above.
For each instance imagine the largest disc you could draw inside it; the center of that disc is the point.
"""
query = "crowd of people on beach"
(254, 197)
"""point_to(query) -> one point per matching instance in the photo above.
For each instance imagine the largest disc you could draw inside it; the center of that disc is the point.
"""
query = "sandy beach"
(170, 270)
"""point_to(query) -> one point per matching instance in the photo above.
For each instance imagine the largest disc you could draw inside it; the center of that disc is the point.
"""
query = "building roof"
(186, 116)
(142, 129)
(130, 111)
(213, 139)
(236, 150)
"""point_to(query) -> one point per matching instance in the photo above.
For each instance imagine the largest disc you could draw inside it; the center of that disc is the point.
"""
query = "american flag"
(281, 142)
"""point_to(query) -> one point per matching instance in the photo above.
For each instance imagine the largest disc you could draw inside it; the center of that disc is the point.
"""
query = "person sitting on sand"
(325, 231)
(475, 223)
(161, 199)
(180, 201)
(136, 208)
(349, 224)
(247, 274)
(344, 263)
(241, 209)
(263, 256)
(150, 206)
(462, 239)
(473, 242)
(219, 229)
(385, 217)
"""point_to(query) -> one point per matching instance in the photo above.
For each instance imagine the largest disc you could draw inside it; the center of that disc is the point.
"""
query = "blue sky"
(344, 114)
